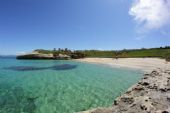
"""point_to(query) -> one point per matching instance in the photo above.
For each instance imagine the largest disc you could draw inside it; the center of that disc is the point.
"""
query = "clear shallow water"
(44, 86)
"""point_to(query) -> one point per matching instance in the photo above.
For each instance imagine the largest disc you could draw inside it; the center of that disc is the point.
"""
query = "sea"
(60, 86)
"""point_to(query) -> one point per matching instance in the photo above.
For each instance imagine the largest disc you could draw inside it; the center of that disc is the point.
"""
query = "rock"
(115, 102)
(167, 71)
(35, 55)
(133, 105)
(153, 87)
(63, 56)
(38, 55)
(138, 88)
(154, 73)
(128, 100)
(145, 78)
(128, 92)
(143, 107)
(147, 74)
(145, 83)
(168, 98)
(163, 89)
(165, 112)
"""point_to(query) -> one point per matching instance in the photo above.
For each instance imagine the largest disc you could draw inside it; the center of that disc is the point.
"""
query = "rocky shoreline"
(51, 55)
(150, 95)
(41, 56)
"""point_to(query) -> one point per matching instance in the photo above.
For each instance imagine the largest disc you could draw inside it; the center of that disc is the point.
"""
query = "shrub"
(167, 57)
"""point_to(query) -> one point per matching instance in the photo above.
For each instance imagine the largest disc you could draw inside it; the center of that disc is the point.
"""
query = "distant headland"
(60, 54)
(66, 54)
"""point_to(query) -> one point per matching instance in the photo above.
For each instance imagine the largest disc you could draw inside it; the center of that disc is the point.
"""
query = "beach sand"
(144, 64)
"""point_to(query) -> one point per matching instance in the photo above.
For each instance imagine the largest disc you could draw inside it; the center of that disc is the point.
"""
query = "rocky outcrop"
(63, 56)
(149, 95)
(37, 55)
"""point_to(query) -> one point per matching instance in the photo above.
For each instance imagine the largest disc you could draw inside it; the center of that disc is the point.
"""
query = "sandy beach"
(144, 64)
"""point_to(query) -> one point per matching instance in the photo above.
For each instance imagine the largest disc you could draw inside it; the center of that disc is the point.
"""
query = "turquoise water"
(44, 86)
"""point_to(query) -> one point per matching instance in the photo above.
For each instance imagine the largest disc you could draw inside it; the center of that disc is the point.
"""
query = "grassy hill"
(162, 52)
(131, 53)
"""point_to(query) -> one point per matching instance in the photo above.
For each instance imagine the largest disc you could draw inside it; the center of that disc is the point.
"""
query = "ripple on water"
(60, 86)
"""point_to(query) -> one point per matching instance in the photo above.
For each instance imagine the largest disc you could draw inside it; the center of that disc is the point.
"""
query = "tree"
(54, 53)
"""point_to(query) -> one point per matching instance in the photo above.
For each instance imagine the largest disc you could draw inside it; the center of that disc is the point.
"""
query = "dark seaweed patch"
(64, 67)
(32, 68)
(24, 68)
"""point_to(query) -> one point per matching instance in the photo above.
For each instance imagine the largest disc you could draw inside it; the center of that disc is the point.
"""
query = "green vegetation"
(162, 52)
(54, 51)
(154, 52)
(167, 57)
(98, 53)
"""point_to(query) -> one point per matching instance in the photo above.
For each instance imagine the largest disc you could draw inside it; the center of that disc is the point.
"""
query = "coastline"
(150, 95)
(143, 64)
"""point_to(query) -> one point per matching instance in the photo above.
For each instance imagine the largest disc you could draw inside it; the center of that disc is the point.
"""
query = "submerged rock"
(33, 68)
(24, 68)
(63, 67)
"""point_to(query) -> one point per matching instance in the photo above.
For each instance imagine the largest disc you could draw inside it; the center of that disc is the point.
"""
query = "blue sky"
(26, 25)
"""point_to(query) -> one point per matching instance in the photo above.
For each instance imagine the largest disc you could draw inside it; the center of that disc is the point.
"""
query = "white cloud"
(151, 14)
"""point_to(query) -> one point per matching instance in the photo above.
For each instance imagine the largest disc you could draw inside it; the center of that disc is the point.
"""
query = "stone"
(145, 83)
(143, 107)
(163, 89)
(154, 73)
(165, 112)
(115, 102)
(128, 100)
(138, 88)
